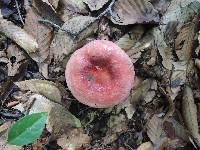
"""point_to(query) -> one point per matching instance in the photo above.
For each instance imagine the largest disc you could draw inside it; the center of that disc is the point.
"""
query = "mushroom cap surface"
(100, 74)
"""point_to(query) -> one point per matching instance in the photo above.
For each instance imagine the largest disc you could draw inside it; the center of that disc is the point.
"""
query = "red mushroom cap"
(100, 74)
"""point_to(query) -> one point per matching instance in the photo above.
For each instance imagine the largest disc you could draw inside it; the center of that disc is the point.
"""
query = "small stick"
(19, 13)
(57, 27)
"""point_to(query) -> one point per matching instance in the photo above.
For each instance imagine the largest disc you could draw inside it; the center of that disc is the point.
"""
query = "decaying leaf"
(46, 10)
(59, 121)
(46, 88)
(94, 4)
(40, 32)
(197, 63)
(18, 35)
(189, 112)
(130, 12)
(15, 56)
(76, 31)
(74, 140)
(154, 129)
(181, 70)
(173, 129)
(164, 50)
(127, 41)
(68, 9)
(140, 91)
(143, 43)
(181, 11)
(145, 146)
(184, 41)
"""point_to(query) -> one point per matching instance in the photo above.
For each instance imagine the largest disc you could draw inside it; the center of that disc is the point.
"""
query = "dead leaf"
(164, 50)
(140, 91)
(46, 88)
(78, 29)
(18, 35)
(184, 41)
(154, 129)
(181, 11)
(43, 35)
(45, 9)
(197, 63)
(68, 9)
(94, 4)
(127, 41)
(189, 112)
(74, 140)
(145, 146)
(173, 129)
(178, 78)
(59, 121)
(149, 96)
(15, 56)
(130, 12)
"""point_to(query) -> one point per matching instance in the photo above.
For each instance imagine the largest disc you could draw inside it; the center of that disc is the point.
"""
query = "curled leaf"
(18, 35)
(46, 88)
(189, 112)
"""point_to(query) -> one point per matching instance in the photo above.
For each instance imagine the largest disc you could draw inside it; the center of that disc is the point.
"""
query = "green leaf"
(27, 129)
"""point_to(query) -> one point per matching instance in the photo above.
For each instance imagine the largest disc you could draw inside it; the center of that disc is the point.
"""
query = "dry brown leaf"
(44, 70)
(184, 41)
(46, 10)
(145, 146)
(79, 28)
(46, 88)
(140, 91)
(197, 63)
(181, 11)
(127, 41)
(74, 140)
(14, 53)
(164, 50)
(60, 120)
(189, 112)
(18, 35)
(68, 9)
(130, 12)
(154, 129)
(173, 129)
(142, 44)
(181, 70)
(40, 32)
(94, 4)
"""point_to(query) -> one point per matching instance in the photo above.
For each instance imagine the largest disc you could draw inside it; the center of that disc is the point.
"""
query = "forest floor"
(162, 39)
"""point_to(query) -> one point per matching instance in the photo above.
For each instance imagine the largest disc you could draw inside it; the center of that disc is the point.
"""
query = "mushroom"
(100, 74)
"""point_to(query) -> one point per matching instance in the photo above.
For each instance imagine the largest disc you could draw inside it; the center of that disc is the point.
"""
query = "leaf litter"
(160, 36)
